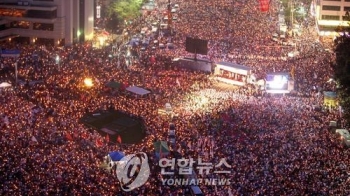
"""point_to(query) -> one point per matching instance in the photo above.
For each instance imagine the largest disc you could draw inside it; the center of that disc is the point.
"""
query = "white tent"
(5, 84)
(137, 90)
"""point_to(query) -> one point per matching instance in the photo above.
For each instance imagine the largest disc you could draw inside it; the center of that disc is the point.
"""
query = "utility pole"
(292, 12)
(170, 18)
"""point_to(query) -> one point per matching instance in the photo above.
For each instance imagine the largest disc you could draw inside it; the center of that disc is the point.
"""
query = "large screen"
(197, 46)
(277, 82)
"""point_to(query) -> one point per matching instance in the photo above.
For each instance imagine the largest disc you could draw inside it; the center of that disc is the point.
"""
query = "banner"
(98, 11)
(10, 53)
(330, 98)
(264, 5)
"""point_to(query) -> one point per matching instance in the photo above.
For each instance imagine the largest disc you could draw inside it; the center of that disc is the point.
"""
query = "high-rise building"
(60, 22)
(330, 15)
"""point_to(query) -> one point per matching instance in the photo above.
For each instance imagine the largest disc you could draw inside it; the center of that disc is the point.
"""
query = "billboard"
(10, 53)
(277, 81)
(197, 46)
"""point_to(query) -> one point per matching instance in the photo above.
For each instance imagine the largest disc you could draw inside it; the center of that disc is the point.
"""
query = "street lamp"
(88, 82)
(16, 72)
(57, 60)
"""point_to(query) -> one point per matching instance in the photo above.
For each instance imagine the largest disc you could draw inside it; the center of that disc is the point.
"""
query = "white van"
(163, 26)
(344, 136)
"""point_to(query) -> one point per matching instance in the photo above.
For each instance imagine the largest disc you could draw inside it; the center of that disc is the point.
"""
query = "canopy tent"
(113, 84)
(116, 155)
(161, 147)
(5, 84)
(137, 90)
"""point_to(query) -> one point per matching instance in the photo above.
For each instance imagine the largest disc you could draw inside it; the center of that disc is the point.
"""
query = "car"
(161, 46)
(163, 26)
(143, 48)
(170, 45)
(154, 29)
(275, 39)
(174, 17)
(171, 133)
(344, 136)
(171, 126)
(172, 140)
(176, 6)
(173, 10)
(291, 44)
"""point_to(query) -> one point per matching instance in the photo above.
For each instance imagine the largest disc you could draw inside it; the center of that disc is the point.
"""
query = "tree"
(342, 73)
(113, 23)
(120, 10)
(297, 7)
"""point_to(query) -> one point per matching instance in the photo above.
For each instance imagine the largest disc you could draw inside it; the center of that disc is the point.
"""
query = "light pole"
(58, 61)
(16, 72)
(170, 18)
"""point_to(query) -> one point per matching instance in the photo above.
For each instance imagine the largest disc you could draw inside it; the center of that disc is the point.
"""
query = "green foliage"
(342, 73)
(287, 5)
(120, 10)
(125, 9)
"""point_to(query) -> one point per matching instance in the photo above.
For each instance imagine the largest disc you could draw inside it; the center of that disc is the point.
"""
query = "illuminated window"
(43, 26)
(330, 17)
(41, 14)
(12, 12)
(330, 7)
(20, 24)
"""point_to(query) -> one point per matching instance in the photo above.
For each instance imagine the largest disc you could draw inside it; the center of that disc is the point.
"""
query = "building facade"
(330, 15)
(60, 22)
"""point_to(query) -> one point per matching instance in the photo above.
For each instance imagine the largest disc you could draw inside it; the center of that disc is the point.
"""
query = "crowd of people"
(276, 145)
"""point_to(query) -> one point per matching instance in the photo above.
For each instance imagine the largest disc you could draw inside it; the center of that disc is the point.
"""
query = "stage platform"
(193, 64)
(278, 91)
(115, 123)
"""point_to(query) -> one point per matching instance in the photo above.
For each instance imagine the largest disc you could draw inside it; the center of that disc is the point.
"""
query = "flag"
(98, 142)
(33, 139)
(292, 72)
(189, 146)
(160, 152)
(178, 82)
(153, 59)
(264, 5)
(84, 135)
(179, 150)
(119, 139)
(107, 138)
(75, 134)
(69, 136)
(23, 161)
